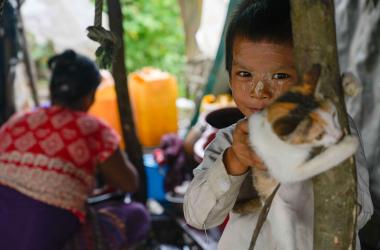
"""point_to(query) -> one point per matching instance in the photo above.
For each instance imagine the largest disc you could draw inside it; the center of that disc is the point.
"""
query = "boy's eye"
(243, 74)
(279, 76)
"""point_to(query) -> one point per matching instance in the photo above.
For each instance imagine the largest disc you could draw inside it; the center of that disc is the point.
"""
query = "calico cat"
(297, 137)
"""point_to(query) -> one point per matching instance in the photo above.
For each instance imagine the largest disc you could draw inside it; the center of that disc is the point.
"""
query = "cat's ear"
(311, 77)
(309, 81)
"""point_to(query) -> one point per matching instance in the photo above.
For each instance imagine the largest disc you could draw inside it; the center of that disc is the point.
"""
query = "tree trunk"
(119, 72)
(191, 12)
(334, 191)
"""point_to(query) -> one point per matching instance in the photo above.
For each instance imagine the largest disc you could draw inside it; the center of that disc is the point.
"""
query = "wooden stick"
(28, 63)
(119, 72)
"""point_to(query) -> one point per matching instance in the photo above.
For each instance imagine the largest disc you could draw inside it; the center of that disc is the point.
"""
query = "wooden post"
(8, 53)
(27, 61)
(119, 72)
(334, 191)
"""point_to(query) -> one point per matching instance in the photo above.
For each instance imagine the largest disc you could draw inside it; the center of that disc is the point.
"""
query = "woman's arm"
(120, 172)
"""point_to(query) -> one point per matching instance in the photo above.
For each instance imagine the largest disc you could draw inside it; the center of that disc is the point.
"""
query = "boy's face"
(261, 72)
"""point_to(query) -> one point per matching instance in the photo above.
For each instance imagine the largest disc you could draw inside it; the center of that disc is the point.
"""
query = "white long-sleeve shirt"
(213, 192)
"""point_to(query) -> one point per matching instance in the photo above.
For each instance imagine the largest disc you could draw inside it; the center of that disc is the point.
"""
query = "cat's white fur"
(289, 165)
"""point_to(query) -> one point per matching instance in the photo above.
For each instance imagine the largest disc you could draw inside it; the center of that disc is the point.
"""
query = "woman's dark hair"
(259, 20)
(73, 77)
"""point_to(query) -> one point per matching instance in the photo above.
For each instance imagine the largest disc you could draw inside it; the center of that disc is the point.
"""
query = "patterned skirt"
(112, 226)
(27, 224)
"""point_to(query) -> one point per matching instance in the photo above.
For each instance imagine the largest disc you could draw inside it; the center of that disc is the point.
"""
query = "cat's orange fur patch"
(264, 183)
(278, 110)
(304, 89)
(317, 119)
(299, 136)
(306, 133)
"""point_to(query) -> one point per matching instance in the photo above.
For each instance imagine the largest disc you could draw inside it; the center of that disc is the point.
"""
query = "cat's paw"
(349, 145)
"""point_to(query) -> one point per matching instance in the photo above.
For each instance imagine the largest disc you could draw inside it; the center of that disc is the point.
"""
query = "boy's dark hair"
(73, 77)
(259, 20)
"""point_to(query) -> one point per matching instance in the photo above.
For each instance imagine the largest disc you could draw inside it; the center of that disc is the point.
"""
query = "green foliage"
(154, 35)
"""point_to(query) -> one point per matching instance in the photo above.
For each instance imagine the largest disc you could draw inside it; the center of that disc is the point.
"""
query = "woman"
(48, 160)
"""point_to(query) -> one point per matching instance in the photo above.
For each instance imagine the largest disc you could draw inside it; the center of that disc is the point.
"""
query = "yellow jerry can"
(105, 104)
(153, 95)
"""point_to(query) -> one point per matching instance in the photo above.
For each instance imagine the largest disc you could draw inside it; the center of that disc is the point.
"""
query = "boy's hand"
(239, 157)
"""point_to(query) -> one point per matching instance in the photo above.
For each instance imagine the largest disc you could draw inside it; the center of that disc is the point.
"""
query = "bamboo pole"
(119, 72)
(334, 191)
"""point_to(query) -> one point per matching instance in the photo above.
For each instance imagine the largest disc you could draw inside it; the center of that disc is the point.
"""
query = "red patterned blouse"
(51, 155)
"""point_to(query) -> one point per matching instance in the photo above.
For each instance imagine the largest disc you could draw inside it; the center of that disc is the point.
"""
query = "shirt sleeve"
(109, 141)
(212, 193)
(364, 197)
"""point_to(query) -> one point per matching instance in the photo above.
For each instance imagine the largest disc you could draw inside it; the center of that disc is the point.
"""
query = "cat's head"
(297, 117)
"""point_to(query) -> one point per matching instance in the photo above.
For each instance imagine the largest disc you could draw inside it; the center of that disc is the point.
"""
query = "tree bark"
(133, 146)
(314, 41)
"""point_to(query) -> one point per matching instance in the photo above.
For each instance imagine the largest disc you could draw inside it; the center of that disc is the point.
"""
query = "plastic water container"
(153, 95)
(105, 105)
(155, 178)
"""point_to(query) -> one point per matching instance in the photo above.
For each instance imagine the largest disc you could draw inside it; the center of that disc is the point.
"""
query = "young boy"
(259, 60)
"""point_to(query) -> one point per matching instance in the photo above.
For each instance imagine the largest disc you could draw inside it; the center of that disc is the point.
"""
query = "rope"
(262, 217)
(98, 13)
(108, 41)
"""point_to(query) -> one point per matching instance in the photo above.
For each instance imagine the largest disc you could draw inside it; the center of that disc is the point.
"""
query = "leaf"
(154, 35)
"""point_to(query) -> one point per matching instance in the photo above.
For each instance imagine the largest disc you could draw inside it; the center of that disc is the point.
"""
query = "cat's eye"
(279, 76)
(320, 136)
